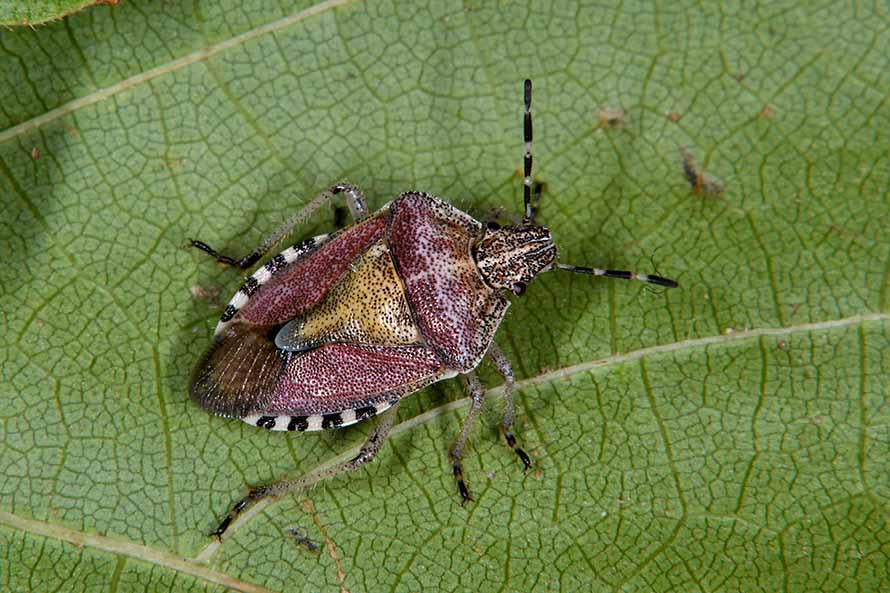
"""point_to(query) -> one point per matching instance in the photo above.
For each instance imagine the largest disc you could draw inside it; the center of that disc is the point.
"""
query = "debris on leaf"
(701, 182)
(303, 540)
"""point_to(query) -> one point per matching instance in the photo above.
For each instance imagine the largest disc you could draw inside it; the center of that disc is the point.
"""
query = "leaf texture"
(729, 435)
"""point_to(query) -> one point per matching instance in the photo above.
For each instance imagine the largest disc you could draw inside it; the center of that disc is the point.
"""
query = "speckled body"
(338, 328)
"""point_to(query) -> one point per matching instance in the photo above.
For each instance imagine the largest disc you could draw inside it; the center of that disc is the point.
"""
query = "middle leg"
(457, 450)
(506, 370)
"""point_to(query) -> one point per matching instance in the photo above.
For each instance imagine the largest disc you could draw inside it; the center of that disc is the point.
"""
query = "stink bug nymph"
(339, 328)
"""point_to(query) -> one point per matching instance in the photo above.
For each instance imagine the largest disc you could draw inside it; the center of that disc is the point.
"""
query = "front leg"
(355, 201)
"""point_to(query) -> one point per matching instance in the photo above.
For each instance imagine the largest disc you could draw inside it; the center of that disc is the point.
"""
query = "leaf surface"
(728, 435)
(28, 13)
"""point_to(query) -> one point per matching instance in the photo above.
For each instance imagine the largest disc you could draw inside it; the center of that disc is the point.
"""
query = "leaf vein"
(128, 549)
(172, 66)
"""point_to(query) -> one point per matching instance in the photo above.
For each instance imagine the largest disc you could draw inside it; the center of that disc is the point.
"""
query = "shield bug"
(338, 328)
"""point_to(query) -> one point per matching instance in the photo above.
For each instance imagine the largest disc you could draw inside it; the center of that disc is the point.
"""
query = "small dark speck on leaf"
(303, 540)
(35, 153)
(783, 345)
(674, 117)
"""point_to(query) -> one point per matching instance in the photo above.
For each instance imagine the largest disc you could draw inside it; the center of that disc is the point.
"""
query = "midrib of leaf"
(128, 549)
(197, 567)
(171, 66)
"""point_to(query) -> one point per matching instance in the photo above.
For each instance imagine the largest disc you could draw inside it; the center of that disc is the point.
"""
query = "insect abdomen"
(318, 421)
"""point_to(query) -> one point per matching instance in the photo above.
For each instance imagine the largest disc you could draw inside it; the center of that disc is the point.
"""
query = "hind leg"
(366, 454)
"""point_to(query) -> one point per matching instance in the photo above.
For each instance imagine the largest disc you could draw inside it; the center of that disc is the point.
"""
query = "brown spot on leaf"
(210, 293)
(329, 544)
(612, 118)
(174, 163)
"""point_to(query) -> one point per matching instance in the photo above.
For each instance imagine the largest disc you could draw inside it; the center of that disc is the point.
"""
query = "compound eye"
(493, 226)
(519, 288)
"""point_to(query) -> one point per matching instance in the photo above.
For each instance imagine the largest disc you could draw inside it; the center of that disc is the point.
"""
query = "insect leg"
(506, 370)
(476, 393)
(340, 214)
(368, 451)
(355, 201)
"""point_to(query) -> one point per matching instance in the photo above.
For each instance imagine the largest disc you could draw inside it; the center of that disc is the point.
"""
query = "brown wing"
(239, 373)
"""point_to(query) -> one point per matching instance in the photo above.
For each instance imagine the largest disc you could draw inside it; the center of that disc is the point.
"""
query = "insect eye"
(493, 226)
(519, 288)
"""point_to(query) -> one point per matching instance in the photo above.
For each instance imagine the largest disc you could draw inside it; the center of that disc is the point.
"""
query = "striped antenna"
(527, 155)
(624, 275)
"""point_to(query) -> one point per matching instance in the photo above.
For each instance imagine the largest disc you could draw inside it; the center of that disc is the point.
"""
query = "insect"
(339, 328)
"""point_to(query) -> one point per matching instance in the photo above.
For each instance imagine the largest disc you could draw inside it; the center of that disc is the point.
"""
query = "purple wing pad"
(304, 283)
(338, 376)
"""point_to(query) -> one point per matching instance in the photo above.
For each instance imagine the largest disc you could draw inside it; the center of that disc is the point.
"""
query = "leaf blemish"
(611, 118)
(701, 183)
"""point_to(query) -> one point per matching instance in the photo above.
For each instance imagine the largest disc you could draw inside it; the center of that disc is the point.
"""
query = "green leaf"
(38, 12)
(730, 435)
